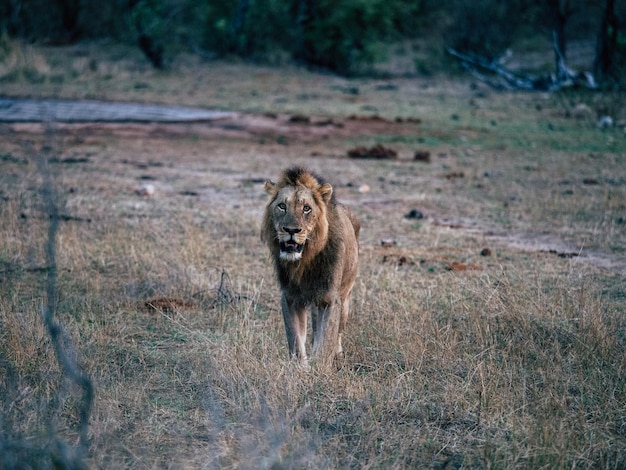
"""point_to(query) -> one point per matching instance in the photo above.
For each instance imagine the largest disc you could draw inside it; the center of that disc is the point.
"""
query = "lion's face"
(297, 217)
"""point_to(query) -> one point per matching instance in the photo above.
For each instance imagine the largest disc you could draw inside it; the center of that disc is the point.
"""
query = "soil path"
(19, 110)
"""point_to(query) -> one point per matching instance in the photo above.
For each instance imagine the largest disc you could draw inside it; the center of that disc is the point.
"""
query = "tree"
(149, 21)
(343, 35)
(70, 9)
(484, 27)
(606, 45)
(239, 22)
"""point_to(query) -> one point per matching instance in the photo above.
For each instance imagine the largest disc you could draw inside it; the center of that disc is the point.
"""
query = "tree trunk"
(606, 44)
(560, 12)
(70, 9)
(304, 16)
(238, 24)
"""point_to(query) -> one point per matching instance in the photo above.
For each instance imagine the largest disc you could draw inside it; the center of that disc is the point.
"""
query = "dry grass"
(171, 304)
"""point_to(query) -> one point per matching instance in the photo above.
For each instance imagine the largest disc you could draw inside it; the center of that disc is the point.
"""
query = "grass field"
(489, 333)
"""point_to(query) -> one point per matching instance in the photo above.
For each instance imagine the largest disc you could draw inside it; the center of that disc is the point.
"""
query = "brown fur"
(313, 241)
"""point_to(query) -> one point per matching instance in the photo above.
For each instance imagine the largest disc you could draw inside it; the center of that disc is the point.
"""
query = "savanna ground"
(490, 333)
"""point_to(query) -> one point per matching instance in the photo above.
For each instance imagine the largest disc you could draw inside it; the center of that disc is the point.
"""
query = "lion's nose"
(292, 231)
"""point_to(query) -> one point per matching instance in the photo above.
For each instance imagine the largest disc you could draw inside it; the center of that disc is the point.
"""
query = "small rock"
(605, 121)
(364, 188)
(582, 111)
(414, 214)
(300, 119)
(422, 156)
(399, 260)
(454, 175)
(146, 190)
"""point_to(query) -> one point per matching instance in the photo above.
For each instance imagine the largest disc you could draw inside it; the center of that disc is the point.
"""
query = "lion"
(313, 241)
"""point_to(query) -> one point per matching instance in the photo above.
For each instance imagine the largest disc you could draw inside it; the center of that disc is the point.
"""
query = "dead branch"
(496, 75)
(563, 72)
(505, 78)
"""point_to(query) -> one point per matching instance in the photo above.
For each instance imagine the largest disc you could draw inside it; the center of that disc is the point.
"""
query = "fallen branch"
(506, 79)
(493, 73)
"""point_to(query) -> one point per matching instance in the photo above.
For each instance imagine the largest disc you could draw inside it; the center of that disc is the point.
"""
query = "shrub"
(484, 27)
(343, 35)
(249, 29)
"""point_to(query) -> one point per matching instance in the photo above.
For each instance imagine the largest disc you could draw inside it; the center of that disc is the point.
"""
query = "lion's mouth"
(290, 246)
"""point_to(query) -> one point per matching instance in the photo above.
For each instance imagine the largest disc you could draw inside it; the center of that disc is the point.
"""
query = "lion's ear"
(270, 188)
(326, 191)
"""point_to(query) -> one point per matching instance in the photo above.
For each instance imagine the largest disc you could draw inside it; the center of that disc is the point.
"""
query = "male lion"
(313, 241)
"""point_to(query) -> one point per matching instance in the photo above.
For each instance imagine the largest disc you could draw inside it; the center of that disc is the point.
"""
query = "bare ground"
(313, 138)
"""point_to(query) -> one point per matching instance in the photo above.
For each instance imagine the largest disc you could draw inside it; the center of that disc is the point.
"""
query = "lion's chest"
(311, 283)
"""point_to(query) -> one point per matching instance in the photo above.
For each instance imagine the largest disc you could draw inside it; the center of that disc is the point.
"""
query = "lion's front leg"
(295, 317)
(325, 317)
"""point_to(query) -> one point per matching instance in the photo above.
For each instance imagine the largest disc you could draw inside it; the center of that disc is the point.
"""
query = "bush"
(249, 29)
(343, 35)
(484, 27)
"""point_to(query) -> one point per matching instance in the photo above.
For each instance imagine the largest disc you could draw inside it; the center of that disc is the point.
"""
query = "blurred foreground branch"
(65, 353)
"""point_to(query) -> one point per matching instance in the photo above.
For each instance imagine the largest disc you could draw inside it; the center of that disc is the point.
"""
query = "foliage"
(484, 27)
(250, 29)
(346, 36)
(342, 35)
(337, 35)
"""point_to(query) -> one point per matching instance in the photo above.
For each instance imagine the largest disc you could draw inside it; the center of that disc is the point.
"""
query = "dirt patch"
(303, 130)
(378, 152)
(23, 110)
(282, 128)
(553, 246)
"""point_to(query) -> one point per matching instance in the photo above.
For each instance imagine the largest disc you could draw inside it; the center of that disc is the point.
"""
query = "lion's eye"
(306, 208)
(282, 206)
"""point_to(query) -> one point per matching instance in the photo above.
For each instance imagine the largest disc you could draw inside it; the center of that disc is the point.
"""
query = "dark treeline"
(340, 35)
